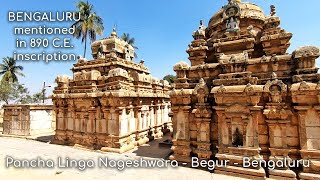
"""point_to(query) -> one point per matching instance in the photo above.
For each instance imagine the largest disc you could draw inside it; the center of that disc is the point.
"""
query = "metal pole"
(43, 91)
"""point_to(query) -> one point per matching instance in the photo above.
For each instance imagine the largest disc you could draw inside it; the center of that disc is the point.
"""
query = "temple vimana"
(112, 103)
(244, 96)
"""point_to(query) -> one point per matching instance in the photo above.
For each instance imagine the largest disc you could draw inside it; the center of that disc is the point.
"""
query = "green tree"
(38, 97)
(17, 93)
(10, 70)
(13, 92)
(170, 78)
(21, 94)
(88, 25)
(126, 37)
(5, 92)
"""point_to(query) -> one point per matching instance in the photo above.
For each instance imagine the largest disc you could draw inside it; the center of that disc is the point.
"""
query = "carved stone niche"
(234, 63)
(275, 89)
(231, 15)
(201, 91)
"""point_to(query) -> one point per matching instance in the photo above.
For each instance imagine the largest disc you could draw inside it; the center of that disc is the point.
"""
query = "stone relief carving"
(304, 86)
(231, 13)
(221, 89)
(306, 51)
(201, 91)
(276, 90)
(232, 25)
(249, 88)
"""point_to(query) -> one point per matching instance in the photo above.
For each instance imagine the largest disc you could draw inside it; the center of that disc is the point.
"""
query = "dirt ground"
(20, 149)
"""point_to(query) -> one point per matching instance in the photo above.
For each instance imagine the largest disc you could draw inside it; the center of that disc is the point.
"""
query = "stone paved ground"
(29, 149)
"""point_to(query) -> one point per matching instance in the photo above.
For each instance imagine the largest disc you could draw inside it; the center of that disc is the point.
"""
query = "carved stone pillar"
(91, 123)
(181, 139)
(102, 125)
(71, 115)
(278, 118)
(202, 119)
(310, 151)
(255, 111)
(61, 122)
(157, 116)
(122, 121)
(113, 119)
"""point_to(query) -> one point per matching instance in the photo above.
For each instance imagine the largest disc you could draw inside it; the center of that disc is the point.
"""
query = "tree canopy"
(90, 24)
(126, 37)
(170, 78)
(10, 70)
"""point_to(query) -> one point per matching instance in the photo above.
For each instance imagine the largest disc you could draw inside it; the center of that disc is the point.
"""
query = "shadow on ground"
(152, 149)
(45, 139)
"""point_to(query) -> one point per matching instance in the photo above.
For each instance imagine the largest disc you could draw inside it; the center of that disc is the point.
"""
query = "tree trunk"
(85, 47)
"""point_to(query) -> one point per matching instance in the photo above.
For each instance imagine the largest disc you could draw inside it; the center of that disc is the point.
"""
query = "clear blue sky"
(162, 29)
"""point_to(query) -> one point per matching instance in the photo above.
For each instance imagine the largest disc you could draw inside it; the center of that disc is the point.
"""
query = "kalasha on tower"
(245, 96)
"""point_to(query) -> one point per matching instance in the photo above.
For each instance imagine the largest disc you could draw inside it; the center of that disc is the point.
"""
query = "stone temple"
(111, 103)
(245, 96)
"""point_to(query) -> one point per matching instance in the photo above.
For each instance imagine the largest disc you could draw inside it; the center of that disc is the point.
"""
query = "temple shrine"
(111, 103)
(244, 96)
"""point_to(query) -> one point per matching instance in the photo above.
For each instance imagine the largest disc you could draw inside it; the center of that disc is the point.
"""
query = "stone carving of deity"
(101, 55)
(275, 92)
(232, 24)
(201, 96)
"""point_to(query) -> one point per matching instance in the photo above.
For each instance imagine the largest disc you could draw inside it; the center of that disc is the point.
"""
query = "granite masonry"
(28, 120)
(244, 96)
(111, 103)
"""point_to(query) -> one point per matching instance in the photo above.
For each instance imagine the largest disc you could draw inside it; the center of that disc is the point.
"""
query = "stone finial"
(81, 59)
(114, 31)
(272, 10)
(201, 32)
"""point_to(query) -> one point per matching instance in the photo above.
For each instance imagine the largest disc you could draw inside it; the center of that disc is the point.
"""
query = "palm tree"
(89, 24)
(10, 70)
(131, 41)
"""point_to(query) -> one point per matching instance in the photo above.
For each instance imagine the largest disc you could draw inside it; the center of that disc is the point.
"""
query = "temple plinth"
(244, 96)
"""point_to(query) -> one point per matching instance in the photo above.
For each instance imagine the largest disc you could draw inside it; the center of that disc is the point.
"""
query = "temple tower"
(244, 96)
(112, 103)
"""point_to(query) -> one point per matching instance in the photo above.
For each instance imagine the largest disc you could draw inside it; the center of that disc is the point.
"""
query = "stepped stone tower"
(111, 103)
(245, 96)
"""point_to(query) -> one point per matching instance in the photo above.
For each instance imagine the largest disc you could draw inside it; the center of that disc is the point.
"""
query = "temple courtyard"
(19, 148)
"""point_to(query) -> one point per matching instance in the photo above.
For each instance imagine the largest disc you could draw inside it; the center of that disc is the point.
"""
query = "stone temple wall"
(1, 120)
(111, 103)
(26, 120)
(244, 96)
